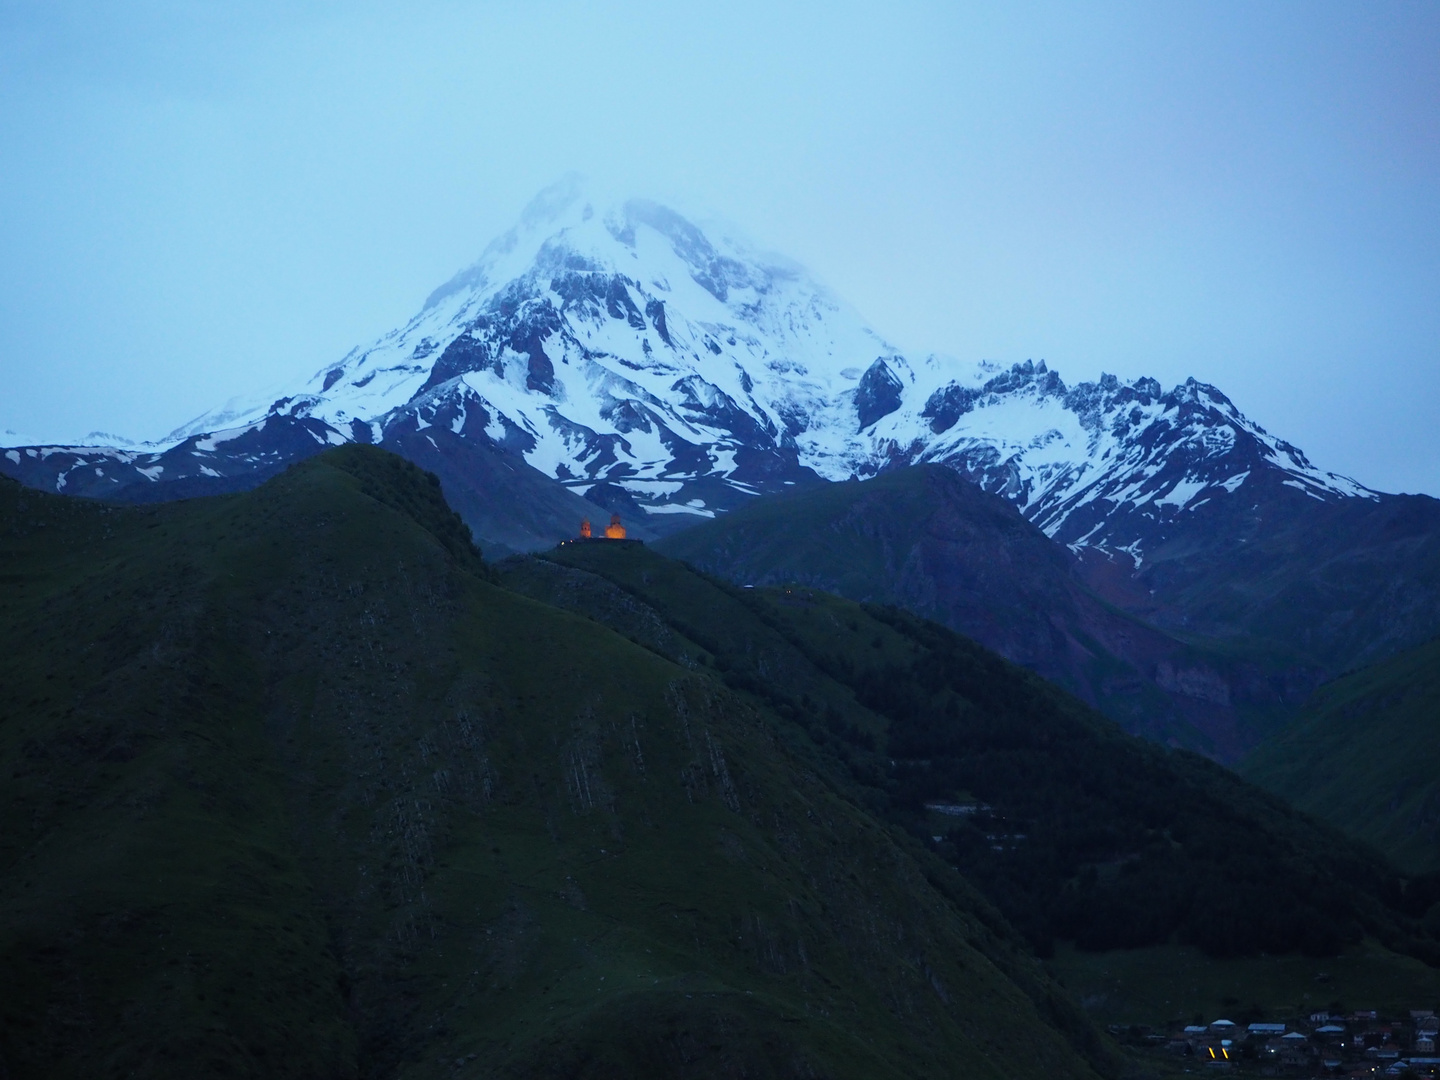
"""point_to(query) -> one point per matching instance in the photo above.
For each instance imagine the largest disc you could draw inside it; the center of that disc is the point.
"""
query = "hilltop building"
(613, 531)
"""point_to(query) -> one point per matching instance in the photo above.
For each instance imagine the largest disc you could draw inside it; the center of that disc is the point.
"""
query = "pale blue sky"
(199, 200)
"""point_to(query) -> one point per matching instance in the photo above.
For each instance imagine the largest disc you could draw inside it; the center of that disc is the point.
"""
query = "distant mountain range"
(621, 358)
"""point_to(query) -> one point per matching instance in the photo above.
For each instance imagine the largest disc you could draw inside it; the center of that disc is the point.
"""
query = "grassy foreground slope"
(1168, 985)
(292, 788)
(1077, 831)
(1365, 754)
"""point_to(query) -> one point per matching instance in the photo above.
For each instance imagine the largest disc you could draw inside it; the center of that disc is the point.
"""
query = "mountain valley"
(896, 740)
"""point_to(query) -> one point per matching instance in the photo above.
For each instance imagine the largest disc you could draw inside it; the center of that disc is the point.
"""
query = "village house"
(1295, 1050)
(1359, 1045)
(1265, 1031)
(1376, 1035)
(1217, 1057)
(1190, 1037)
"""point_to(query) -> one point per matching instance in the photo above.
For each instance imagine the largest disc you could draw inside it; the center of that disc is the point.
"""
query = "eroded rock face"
(878, 395)
(1201, 683)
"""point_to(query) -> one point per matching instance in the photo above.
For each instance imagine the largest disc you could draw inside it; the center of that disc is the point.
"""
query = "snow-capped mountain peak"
(649, 363)
(619, 344)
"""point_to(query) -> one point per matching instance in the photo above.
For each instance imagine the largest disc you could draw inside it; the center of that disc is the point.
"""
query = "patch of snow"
(1306, 488)
(677, 508)
(1181, 494)
(1133, 550)
(217, 438)
(656, 488)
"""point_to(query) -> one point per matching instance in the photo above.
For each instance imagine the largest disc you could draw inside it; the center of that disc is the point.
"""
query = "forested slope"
(1076, 830)
(926, 539)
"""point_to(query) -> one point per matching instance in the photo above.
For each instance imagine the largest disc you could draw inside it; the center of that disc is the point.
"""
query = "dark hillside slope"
(1346, 582)
(926, 539)
(1365, 755)
(293, 789)
(1074, 829)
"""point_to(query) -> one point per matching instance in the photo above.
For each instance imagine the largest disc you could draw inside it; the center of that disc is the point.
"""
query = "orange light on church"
(615, 531)
(585, 529)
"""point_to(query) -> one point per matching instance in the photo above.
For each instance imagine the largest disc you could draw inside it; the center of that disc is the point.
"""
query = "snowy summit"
(647, 364)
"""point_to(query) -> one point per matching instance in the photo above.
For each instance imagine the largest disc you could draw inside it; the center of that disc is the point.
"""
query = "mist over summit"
(671, 372)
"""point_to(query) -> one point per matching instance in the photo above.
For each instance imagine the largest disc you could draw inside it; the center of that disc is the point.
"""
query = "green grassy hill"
(1165, 986)
(1075, 830)
(294, 788)
(1365, 755)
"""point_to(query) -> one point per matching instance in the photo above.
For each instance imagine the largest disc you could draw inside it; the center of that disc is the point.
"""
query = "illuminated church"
(613, 531)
